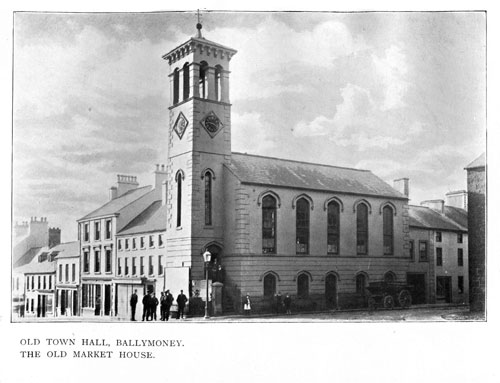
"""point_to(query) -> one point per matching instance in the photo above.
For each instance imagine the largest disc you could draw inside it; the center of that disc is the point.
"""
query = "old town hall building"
(320, 233)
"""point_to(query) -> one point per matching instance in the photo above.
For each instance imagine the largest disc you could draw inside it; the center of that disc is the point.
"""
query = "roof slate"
(424, 217)
(27, 257)
(67, 249)
(294, 174)
(153, 218)
(115, 205)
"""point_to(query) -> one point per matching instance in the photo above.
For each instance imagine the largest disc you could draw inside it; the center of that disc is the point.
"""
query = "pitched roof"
(302, 175)
(457, 215)
(479, 162)
(153, 218)
(35, 267)
(27, 257)
(67, 250)
(115, 205)
(427, 218)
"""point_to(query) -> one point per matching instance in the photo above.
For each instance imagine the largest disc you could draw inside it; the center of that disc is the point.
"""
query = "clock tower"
(199, 144)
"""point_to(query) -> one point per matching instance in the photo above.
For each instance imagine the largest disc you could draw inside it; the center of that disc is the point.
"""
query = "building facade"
(68, 279)
(439, 253)
(476, 189)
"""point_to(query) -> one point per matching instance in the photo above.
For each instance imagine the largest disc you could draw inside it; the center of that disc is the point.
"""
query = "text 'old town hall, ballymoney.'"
(317, 232)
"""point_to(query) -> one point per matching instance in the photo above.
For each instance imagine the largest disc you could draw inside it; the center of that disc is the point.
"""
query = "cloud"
(250, 134)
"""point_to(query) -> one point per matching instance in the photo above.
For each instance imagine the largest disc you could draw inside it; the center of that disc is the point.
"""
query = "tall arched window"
(389, 277)
(333, 227)
(176, 86)
(302, 226)
(269, 285)
(218, 83)
(185, 81)
(269, 225)
(203, 79)
(362, 228)
(208, 198)
(179, 198)
(303, 285)
(360, 284)
(388, 230)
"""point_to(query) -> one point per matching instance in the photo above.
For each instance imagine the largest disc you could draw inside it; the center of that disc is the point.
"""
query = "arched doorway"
(215, 267)
(331, 291)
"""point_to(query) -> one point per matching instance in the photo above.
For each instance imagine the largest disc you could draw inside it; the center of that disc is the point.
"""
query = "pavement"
(417, 313)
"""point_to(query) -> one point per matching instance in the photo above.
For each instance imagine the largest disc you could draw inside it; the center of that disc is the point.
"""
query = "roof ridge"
(303, 162)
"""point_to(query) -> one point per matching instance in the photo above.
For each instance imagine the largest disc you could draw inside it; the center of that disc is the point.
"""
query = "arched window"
(208, 198)
(362, 228)
(269, 285)
(203, 79)
(269, 225)
(218, 83)
(302, 226)
(360, 284)
(185, 81)
(333, 228)
(176, 86)
(331, 290)
(388, 215)
(179, 198)
(303, 285)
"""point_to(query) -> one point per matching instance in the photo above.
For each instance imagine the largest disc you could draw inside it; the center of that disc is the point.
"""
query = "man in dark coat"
(169, 299)
(288, 303)
(146, 307)
(133, 304)
(163, 304)
(154, 304)
(181, 304)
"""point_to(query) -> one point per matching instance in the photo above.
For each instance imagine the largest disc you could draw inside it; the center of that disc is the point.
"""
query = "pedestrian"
(279, 302)
(247, 306)
(169, 299)
(288, 303)
(146, 304)
(162, 305)
(133, 304)
(154, 306)
(181, 304)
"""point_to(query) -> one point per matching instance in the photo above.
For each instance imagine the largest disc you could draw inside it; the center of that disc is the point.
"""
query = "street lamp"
(206, 258)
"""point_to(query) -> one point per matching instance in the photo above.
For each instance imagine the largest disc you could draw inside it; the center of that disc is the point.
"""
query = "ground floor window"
(360, 284)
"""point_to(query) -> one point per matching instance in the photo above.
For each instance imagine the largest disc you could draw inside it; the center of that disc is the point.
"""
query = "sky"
(400, 94)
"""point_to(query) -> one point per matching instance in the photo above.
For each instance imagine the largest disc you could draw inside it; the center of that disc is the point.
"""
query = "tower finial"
(198, 25)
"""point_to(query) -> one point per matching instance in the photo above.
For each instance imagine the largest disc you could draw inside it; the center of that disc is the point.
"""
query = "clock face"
(212, 124)
(180, 125)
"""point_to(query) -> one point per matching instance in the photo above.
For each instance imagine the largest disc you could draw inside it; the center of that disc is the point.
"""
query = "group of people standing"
(282, 305)
(150, 305)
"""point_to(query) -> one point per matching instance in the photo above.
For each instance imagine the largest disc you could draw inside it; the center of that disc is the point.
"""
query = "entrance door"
(63, 301)
(331, 291)
(98, 300)
(443, 289)
(417, 281)
(75, 303)
(44, 305)
(107, 299)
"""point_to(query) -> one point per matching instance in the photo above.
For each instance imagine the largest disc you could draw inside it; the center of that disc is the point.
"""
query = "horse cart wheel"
(388, 302)
(404, 299)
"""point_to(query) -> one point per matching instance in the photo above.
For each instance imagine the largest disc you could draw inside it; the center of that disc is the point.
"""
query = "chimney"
(457, 198)
(164, 193)
(434, 204)
(402, 185)
(113, 192)
(125, 183)
(54, 236)
(160, 176)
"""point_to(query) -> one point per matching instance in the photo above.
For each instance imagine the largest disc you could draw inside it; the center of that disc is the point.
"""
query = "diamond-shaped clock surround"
(180, 125)
(212, 124)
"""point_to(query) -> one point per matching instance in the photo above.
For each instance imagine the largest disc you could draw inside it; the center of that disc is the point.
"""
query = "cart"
(388, 295)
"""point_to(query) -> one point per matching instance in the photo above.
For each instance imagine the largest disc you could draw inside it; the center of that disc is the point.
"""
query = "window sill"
(178, 228)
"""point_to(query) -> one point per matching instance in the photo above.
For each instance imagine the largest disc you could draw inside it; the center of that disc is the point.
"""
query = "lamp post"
(206, 258)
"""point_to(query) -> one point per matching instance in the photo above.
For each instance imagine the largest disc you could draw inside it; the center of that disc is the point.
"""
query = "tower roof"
(203, 45)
